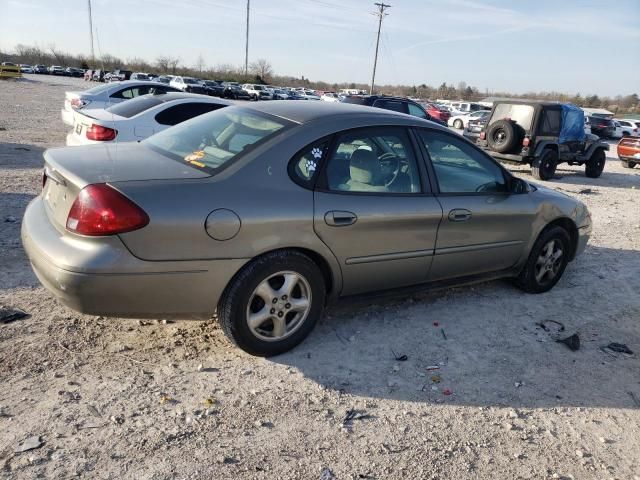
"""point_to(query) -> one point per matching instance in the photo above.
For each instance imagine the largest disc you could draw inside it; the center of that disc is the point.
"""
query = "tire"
(595, 165)
(502, 136)
(543, 167)
(242, 299)
(627, 164)
(532, 279)
(458, 124)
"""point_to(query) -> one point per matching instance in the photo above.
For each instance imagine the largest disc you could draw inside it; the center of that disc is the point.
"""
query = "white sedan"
(461, 121)
(139, 118)
(107, 94)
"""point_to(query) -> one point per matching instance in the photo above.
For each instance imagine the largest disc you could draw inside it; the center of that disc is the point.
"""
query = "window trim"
(508, 177)
(322, 183)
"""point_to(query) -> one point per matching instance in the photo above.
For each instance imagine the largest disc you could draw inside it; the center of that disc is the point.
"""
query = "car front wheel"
(547, 261)
(273, 303)
(627, 164)
(544, 167)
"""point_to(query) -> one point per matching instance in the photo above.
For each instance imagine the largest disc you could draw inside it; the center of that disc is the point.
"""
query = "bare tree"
(200, 64)
(261, 67)
(162, 64)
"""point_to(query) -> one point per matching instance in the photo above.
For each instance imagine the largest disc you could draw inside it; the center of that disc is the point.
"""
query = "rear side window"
(392, 105)
(416, 111)
(306, 164)
(185, 111)
(135, 106)
(550, 122)
(132, 92)
(521, 114)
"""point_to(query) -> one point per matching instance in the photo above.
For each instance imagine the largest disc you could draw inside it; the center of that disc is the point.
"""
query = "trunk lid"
(69, 170)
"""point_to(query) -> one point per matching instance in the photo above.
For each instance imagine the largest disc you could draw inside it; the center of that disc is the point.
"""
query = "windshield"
(213, 140)
(133, 107)
(521, 114)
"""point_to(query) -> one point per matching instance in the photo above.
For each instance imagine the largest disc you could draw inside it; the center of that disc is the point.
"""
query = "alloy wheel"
(549, 262)
(279, 306)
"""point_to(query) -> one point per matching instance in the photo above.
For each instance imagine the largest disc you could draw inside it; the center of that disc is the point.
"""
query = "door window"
(416, 111)
(373, 160)
(459, 167)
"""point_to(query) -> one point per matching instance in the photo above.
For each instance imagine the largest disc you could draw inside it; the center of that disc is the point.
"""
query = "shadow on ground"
(20, 155)
(485, 343)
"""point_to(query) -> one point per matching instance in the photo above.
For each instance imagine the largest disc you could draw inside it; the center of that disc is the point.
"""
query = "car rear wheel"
(547, 261)
(544, 167)
(595, 165)
(273, 303)
(458, 124)
(627, 164)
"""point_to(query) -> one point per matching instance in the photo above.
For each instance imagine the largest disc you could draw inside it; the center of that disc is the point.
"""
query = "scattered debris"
(586, 191)
(327, 474)
(431, 368)
(30, 443)
(443, 335)
(391, 449)
(619, 348)
(518, 384)
(543, 325)
(399, 358)
(209, 402)
(436, 378)
(353, 414)
(8, 315)
(10, 219)
(436, 324)
(447, 392)
(573, 342)
(93, 411)
(23, 148)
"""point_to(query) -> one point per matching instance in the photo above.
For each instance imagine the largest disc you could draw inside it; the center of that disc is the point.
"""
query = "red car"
(437, 112)
(629, 151)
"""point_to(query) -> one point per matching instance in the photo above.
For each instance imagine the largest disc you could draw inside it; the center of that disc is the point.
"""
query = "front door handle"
(339, 218)
(459, 215)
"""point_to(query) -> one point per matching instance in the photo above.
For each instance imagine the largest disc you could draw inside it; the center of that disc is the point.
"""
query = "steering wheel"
(387, 160)
(485, 186)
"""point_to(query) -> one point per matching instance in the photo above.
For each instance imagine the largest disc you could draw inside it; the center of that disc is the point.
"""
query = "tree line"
(261, 71)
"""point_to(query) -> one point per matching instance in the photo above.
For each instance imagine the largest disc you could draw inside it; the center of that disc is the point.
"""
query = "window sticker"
(317, 153)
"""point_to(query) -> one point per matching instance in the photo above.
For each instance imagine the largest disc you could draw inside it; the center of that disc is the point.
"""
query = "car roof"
(305, 112)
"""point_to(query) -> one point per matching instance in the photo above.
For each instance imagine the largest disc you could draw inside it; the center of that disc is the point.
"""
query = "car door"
(485, 228)
(374, 210)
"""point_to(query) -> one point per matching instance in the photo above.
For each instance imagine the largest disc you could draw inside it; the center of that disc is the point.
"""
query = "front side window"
(459, 167)
(375, 160)
(211, 141)
(416, 111)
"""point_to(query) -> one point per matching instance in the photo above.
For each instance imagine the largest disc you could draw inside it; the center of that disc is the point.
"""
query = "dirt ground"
(114, 398)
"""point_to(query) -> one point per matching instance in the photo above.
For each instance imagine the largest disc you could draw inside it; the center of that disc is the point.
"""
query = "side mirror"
(517, 185)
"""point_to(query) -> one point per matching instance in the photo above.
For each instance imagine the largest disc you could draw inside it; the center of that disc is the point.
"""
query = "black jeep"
(542, 135)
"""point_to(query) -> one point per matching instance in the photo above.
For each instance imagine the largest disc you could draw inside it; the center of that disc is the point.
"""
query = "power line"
(380, 13)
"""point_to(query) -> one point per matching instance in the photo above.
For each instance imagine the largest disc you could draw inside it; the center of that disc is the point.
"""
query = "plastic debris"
(447, 392)
(436, 378)
(619, 348)
(30, 443)
(399, 358)
(8, 315)
(431, 368)
(209, 402)
(543, 325)
(572, 341)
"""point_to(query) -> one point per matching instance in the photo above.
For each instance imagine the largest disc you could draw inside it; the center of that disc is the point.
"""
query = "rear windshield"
(133, 107)
(99, 89)
(211, 141)
(521, 114)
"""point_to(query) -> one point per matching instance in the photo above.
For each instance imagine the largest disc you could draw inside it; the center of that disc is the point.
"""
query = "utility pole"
(380, 13)
(246, 50)
(93, 57)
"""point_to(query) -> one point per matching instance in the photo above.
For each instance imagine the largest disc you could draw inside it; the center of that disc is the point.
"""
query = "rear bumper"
(99, 276)
(67, 116)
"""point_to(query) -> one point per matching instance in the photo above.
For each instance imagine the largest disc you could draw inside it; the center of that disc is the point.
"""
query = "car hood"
(116, 162)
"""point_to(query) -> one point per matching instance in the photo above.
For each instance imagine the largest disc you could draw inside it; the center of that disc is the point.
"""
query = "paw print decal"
(316, 152)
(311, 166)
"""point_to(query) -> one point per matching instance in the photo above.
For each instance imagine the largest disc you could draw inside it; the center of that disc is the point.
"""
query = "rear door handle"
(459, 215)
(339, 218)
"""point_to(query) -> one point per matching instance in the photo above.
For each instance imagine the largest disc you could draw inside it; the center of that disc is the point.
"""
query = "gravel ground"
(114, 398)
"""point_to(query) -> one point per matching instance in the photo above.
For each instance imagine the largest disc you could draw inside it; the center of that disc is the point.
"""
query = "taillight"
(526, 141)
(100, 133)
(79, 103)
(101, 210)
(483, 135)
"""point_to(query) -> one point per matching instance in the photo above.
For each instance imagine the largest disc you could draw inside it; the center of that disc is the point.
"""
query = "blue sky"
(516, 45)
